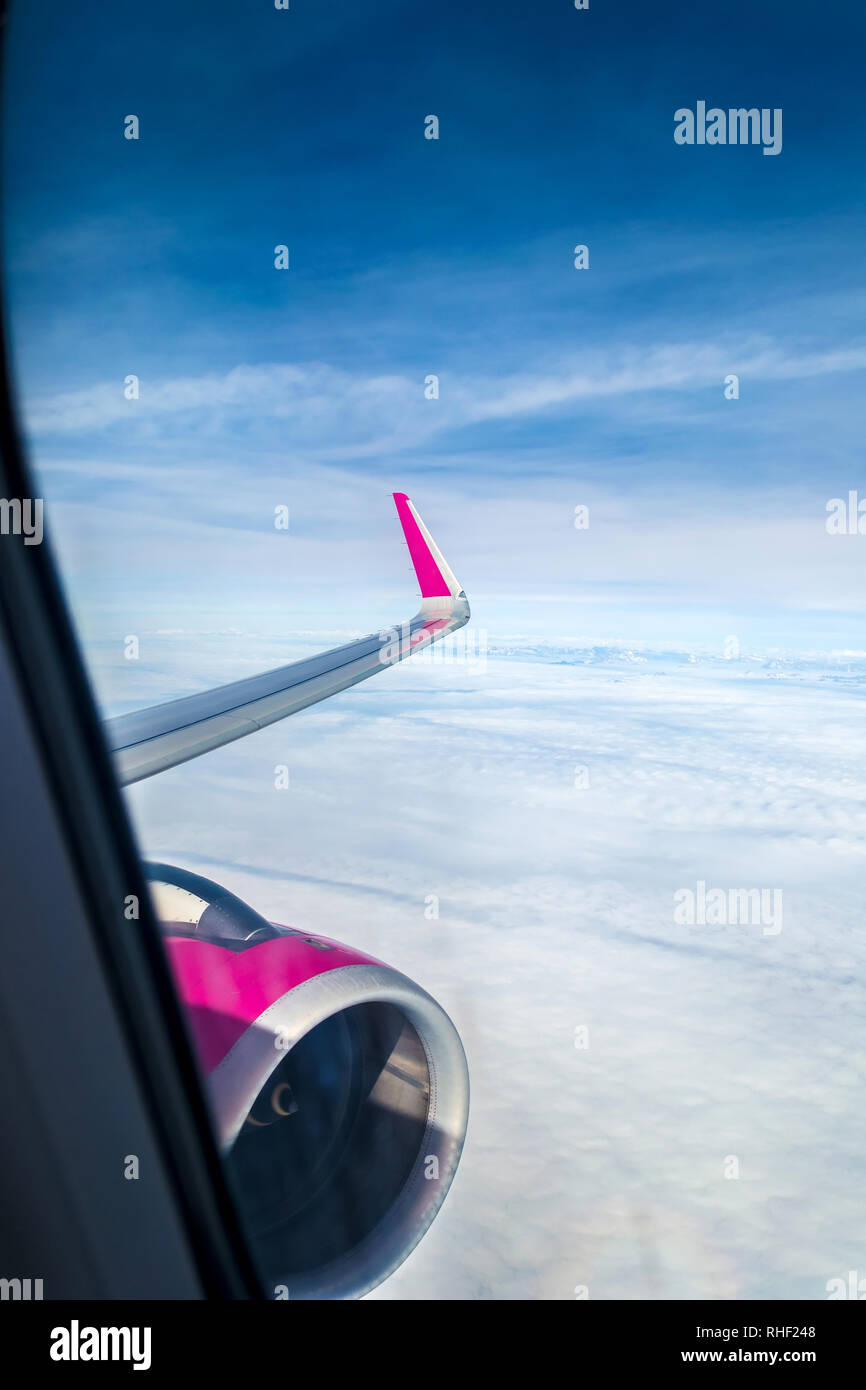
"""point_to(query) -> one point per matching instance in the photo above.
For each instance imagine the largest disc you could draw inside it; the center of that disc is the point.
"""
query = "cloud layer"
(601, 1166)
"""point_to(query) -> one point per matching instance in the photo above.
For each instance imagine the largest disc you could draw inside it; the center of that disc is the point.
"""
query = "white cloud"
(334, 410)
(603, 1167)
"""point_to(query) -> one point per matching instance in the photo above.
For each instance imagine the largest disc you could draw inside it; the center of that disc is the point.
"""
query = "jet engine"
(339, 1089)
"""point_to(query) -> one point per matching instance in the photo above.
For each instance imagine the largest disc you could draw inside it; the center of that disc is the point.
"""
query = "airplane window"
(447, 428)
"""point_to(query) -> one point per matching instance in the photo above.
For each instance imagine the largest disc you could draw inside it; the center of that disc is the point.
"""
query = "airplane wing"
(150, 740)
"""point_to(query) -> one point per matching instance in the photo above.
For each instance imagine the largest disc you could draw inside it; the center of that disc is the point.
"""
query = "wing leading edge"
(150, 740)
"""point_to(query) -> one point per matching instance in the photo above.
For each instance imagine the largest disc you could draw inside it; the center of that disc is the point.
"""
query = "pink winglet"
(430, 576)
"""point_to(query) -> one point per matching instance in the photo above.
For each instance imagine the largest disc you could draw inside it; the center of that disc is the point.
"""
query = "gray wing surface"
(150, 740)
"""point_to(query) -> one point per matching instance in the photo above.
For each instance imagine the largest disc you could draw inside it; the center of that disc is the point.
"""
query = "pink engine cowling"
(339, 1089)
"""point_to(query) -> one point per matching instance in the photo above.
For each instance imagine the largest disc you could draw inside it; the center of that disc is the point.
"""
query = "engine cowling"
(339, 1088)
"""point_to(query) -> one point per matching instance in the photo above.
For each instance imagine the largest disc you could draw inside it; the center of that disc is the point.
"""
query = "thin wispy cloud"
(318, 400)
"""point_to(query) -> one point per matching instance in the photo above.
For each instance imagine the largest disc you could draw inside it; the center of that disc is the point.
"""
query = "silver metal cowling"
(245, 1070)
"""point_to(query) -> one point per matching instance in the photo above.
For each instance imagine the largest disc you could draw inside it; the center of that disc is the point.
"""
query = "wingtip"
(435, 576)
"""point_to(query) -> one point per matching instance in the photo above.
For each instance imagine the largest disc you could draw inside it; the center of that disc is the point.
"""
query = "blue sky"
(601, 387)
(454, 256)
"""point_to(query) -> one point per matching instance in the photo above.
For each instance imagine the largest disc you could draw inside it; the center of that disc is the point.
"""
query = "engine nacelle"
(339, 1089)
